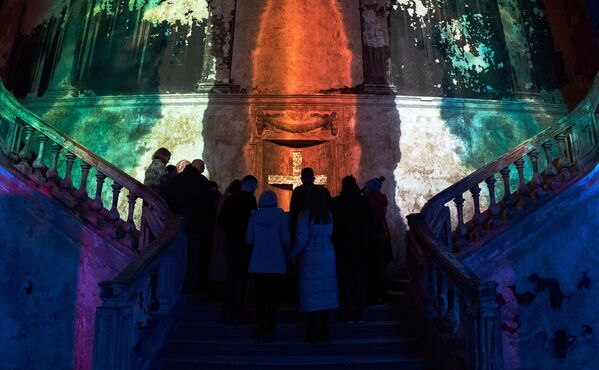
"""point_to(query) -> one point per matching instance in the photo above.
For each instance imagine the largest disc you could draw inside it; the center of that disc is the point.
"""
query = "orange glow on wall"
(302, 48)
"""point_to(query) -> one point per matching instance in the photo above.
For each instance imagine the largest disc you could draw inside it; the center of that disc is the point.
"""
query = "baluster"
(563, 162)
(18, 125)
(508, 199)
(550, 170)
(537, 180)
(523, 190)
(38, 164)
(52, 173)
(67, 183)
(114, 215)
(452, 317)
(97, 205)
(494, 209)
(11, 135)
(478, 219)
(461, 229)
(129, 226)
(25, 153)
(82, 191)
(432, 288)
(441, 298)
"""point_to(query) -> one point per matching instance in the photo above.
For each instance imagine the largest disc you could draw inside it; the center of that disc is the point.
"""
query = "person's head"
(182, 164)
(171, 170)
(317, 205)
(199, 165)
(349, 186)
(374, 185)
(307, 175)
(268, 199)
(249, 183)
(234, 186)
(162, 154)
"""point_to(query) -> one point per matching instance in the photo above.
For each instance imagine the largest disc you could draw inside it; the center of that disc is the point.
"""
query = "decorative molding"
(296, 121)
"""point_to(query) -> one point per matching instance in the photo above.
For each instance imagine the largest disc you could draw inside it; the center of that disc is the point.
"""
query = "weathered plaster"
(420, 145)
(546, 268)
(54, 263)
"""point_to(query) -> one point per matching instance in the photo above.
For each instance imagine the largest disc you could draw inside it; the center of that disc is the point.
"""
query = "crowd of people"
(329, 250)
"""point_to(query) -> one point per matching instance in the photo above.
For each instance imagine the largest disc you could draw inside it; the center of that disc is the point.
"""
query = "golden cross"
(295, 180)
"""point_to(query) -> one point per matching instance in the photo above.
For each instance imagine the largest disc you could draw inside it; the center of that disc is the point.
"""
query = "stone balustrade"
(35, 149)
(132, 321)
(463, 315)
(555, 157)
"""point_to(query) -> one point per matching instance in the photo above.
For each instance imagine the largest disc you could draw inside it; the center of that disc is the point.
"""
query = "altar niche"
(286, 140)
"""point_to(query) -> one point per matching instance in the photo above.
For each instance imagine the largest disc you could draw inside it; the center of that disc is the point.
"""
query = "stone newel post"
(376, 48)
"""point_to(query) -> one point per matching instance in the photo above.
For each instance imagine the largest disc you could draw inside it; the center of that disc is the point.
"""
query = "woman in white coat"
(317, 271)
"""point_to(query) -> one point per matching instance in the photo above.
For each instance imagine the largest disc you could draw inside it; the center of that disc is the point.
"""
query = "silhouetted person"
(234, 220)
(268, 233)
(317, 272)
(380, 241)
(298, 198)
(182, 164)
(171, 171)
(351, 236)
(189, 196)
(218, 268)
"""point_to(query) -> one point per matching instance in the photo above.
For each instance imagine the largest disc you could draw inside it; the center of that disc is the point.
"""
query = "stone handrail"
(23, 136)
(461, 309)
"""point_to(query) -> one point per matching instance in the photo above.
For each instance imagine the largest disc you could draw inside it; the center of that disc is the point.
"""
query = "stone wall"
(546, 268)
(420, 145)
(51, 265)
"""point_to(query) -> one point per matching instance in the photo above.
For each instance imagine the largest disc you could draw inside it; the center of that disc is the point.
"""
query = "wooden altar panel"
(278, 160)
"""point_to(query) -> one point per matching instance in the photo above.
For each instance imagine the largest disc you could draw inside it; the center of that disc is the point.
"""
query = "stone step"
(215, 330)
(293, 347)
(204, 313)
(325, 362)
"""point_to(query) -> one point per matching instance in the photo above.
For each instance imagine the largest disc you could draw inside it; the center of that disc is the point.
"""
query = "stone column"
(218, 48)
(518, 46)
(376, 48)
(61, 82)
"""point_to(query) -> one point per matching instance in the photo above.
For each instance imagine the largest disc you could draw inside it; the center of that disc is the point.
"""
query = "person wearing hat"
(380, 241)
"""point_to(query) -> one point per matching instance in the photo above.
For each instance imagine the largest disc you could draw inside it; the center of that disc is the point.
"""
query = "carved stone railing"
(448, 292)
(133, 321)
(129, 325)
(35, 148)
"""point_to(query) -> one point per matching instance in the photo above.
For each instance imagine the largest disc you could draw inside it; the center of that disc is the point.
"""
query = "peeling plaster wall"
(49, 291)
(547, 273)
(421, 146)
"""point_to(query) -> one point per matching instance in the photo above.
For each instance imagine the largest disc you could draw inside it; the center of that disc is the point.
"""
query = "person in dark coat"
(380, 241)
(233, 219)
(268, 233)
(318, 278)
(351, 236)
(189, 196)
(298, 198)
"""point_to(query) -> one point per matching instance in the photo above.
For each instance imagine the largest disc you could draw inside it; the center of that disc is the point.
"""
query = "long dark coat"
(234, 218)
(352, 217)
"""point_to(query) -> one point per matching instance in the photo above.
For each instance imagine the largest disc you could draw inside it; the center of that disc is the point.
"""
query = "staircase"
(125, 316)
(386, 340)
(461, 308)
